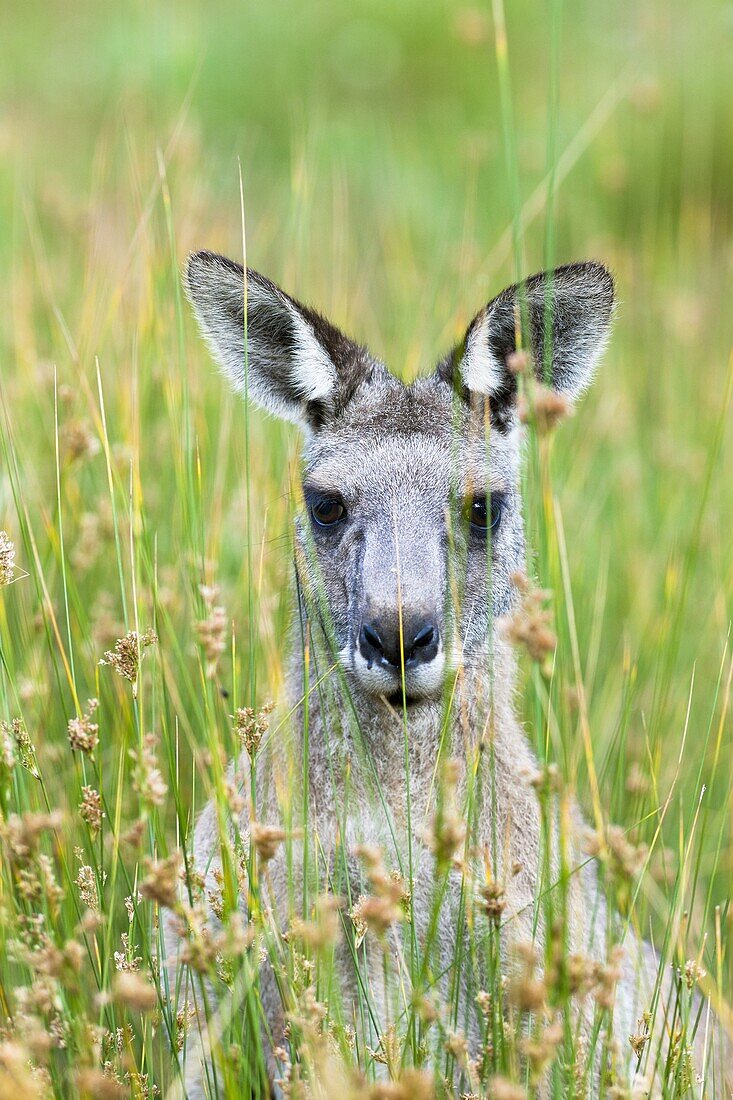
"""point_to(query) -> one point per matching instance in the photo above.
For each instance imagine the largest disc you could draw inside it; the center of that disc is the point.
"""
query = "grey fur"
(399, 458)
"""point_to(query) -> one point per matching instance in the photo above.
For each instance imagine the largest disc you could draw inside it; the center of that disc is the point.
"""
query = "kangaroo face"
(411, 524)
(415, 526)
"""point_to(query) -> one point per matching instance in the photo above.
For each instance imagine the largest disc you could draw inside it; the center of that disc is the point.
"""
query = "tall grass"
(140, 496)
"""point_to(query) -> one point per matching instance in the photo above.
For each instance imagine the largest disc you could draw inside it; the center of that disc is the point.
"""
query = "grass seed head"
(358, 921)
(7, 559)
(541, 1050)
(692, 973)
(520, 363)
(388, 904)
(21, 833)
(526, 991)
(637, 781)
(17, 1077)
(7, 746)
(83, 732)
(472, 26)
(126, 959)
(90, 808)
(501, 1088)
(545, 408)
(607, 976)
(266, 839)
(127, 654)
(323, 931)
(623, 858)
(447, 830)
(389, 1051)
(186, 1013)
(640, 1038)
(16, 745)
(135, 992)
(147, 778)
(88, 542)
(580, 972)
(375, 913)
(493, 901)
(78, 441)
(251, 725)
(529, 626)
(87, 884)
(94, 1084)
(456, 1045)
(413, 1084)
(200, 950)
(161, 883)
(212, 631)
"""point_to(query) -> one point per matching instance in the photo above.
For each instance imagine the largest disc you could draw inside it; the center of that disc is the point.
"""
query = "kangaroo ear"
(298, 366)
(564, 317)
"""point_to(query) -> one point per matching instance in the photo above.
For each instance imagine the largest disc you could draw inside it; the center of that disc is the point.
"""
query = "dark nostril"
(381, 644)
(371, 636)
(424, 637)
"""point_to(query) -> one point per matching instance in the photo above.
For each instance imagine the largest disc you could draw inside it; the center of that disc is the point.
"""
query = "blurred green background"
(383, 171)
(402, 161)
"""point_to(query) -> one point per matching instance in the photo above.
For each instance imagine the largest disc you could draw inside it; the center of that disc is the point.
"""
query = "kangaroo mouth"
(397, 700)
(423, 681)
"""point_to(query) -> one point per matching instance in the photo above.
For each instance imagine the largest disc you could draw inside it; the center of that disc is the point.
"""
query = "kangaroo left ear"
(296, 365)
(577, 300)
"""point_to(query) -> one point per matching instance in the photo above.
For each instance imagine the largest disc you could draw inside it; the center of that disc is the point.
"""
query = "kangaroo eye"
(484, 515)
(328, 511)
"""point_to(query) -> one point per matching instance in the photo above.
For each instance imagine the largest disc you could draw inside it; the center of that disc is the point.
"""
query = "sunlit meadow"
(395, 164)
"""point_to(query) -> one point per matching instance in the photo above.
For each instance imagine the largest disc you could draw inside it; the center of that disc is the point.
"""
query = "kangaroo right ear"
(566, 315)
(297, 365)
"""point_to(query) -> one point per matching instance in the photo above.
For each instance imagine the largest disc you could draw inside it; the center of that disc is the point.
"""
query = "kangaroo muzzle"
(394, 643)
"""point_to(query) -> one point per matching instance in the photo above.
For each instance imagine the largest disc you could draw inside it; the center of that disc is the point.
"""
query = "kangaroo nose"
(379, 643)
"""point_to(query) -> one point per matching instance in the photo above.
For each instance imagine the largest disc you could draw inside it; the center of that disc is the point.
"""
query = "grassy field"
(401, 162)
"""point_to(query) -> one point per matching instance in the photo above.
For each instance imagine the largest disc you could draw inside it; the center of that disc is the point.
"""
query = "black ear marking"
(298, 365)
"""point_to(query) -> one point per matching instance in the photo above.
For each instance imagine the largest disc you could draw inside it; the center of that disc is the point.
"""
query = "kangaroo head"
(414, 520)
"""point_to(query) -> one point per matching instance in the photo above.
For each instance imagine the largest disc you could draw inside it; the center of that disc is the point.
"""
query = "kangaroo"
(408, 545)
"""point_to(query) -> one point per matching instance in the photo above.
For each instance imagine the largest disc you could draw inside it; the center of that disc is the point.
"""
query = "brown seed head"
(493, 901)
(520, 363)
(692, 973)
(90, 808)
(529, 625)
(17, 745)
(639, 1039)
(266, 839)
(93, 1084)
(500, 1088)
(323, 931)
(212, 631)
(447, 830)
(127, 654)
(545, 408)
(541, 1050)
(77, 441)
(7, 559)
(84, 731)
(251, 726)
(133, 991)
(414, 1084)
(161, 883)
(147, 778)
(625, 859)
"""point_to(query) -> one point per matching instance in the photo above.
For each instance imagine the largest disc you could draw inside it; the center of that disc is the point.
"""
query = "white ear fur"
(312, 371)
(480, 369)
